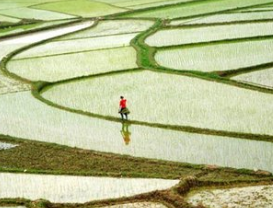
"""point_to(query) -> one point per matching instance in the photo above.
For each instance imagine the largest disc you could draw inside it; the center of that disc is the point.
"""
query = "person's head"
(121, 97)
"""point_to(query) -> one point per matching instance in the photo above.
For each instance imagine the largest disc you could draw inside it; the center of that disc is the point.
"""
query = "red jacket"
(122, 103)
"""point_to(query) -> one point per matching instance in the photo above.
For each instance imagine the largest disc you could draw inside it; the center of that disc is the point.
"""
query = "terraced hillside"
(197, 77)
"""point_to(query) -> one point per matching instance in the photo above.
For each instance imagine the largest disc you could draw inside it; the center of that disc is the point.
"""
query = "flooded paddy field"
(197, 77)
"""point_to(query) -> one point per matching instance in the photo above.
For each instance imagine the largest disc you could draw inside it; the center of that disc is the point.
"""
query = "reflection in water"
(70, 129)
(125, 132)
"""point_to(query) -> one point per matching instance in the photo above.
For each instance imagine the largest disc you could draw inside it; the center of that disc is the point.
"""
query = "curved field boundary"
(174, 197)
(4, 61)
(144, 61)
(144, 53)
(147, 60)
(225, 73)
(169, 197)
(41, 88)
(41, 29)
(77, 189)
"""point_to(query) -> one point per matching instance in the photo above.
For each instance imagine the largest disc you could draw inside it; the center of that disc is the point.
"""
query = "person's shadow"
(125, 133)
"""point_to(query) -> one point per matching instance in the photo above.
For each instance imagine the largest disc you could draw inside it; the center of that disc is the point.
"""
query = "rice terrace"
(196, 75)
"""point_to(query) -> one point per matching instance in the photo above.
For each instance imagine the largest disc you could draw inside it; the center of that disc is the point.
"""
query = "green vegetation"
(196, 75)
(240, 107)
(55, 159)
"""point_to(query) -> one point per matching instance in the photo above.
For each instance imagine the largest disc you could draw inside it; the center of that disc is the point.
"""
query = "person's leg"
(121, 116)
(126, 115)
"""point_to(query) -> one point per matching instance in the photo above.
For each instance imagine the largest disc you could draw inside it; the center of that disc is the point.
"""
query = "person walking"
(123, 110)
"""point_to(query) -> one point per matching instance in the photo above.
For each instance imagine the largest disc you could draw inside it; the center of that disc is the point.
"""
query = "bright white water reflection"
(71, 189)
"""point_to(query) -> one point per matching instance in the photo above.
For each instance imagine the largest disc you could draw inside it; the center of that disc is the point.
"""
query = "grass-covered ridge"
(143, 87)
(75, 124)
(55, 159)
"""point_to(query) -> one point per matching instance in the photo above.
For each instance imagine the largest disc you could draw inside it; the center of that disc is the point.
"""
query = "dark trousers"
(122, 114)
